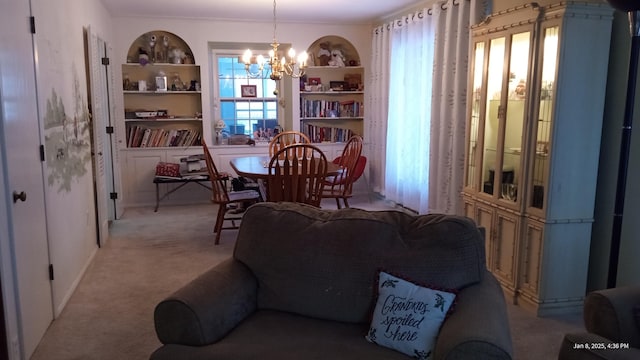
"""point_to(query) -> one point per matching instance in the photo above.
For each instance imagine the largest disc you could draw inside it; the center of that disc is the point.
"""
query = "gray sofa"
(612, 320)
(301, 285)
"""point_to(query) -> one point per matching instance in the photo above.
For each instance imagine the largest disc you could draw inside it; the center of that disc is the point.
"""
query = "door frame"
(7, 272)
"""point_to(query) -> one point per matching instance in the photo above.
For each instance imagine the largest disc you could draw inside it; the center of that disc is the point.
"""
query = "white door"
(113, 171)
(99, 117)
(24, 251)
(101, 77)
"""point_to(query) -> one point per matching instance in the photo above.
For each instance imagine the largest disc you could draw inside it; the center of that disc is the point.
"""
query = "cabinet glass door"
(545, 116)
(476, 98)
(515, 115)
(492, 122)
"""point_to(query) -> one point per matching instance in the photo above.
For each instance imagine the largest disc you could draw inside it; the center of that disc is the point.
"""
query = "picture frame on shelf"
(354, 81)
(161, 83)
(248, 90)
(314, 81)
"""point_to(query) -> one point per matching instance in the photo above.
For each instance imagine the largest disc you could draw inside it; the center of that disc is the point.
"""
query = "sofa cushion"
(338, 254)
(269, 334)
(407, 317)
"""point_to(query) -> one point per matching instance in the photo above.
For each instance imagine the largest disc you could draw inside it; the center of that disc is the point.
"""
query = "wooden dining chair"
(287, 138)
(223, 198)
(340, 186)
(296, 174)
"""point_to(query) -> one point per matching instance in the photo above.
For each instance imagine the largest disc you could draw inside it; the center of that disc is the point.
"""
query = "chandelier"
(293, 67)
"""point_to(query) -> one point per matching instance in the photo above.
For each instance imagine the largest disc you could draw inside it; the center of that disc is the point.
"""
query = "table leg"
(157, 197)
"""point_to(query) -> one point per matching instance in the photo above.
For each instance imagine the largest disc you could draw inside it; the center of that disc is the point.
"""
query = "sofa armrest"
(478, 328)
(588, 346)
(207, 308)
(609, 313)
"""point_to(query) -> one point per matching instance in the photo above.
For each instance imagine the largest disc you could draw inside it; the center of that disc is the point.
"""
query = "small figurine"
(337, 59)
(152, 45)
(177, 55)
(165, 48)
(143, 56)
(324, 54)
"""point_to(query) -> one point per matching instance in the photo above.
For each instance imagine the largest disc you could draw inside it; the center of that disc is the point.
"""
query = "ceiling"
(324, 11)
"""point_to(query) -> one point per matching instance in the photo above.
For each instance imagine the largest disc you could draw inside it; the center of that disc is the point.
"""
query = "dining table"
(257, 167)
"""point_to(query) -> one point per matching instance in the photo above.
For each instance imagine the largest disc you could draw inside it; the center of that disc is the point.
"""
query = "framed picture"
(354, 81)
(314, 81)
(248, 90)
(338, 85)
(161, 83)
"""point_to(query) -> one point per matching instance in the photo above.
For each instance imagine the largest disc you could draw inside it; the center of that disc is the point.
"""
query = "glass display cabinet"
(537, 78)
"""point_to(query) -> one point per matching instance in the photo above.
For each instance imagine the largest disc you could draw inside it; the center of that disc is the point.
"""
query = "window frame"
(238, 112)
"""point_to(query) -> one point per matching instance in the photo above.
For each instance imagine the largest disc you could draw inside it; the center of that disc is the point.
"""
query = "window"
(256, 115)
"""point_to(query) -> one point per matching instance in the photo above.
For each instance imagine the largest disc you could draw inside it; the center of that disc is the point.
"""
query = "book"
(145, 137)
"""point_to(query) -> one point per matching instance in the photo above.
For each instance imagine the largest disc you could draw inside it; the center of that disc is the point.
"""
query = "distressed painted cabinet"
(536, 100)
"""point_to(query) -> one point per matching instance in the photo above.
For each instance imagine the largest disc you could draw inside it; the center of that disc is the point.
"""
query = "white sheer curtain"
(407, 166)
(377, 107)
(448, 116)
(418, 96)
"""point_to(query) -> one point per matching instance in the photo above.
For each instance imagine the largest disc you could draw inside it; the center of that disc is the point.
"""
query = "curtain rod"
(398, 22)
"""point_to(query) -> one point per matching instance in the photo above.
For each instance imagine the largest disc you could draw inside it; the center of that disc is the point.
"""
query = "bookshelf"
(157, 115)
(161, 91)
(162, 117)
(332, 105)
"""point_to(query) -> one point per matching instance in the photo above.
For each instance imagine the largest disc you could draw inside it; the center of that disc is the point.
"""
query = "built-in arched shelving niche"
(320, 51)
(160, 46)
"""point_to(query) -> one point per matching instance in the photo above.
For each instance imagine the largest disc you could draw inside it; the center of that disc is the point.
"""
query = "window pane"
(545, 116)
(228, 110)
(478, 71)
(515, 115)
(225, 76)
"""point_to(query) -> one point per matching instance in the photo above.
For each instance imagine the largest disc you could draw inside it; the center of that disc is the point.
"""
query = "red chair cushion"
(359, 169)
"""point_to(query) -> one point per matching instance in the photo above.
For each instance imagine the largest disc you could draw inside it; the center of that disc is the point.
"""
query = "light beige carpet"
(150, 255)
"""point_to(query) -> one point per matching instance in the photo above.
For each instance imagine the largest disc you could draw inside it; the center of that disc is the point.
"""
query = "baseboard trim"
(551, 308)
(58, 310)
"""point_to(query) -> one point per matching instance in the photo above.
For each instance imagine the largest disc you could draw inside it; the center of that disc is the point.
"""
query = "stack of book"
(140, 136)
(323, 108)
(319, 134)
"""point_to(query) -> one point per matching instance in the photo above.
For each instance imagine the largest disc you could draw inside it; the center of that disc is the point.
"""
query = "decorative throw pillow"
(407, 317)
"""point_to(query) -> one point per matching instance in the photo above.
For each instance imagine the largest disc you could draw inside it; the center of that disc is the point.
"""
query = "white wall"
(61, 75)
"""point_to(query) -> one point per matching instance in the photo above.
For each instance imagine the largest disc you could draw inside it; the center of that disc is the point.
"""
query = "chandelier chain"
(274, 21)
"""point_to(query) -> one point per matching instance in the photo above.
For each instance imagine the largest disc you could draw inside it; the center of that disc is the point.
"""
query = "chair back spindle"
(287, 138)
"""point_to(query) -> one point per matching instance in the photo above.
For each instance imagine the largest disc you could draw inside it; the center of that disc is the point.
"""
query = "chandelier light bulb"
(302, 59)
(246, 58)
